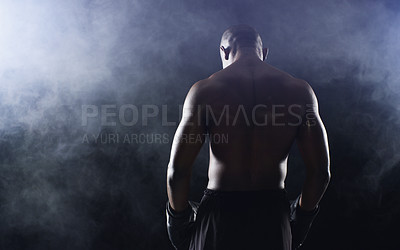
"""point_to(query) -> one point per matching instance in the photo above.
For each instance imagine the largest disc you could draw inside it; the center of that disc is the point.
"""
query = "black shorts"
(242, 220)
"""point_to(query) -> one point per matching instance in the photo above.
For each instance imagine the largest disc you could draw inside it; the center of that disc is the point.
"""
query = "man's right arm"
(312, 142)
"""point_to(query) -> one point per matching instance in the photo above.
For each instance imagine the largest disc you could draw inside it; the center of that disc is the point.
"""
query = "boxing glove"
(300, 222)
(180, 225)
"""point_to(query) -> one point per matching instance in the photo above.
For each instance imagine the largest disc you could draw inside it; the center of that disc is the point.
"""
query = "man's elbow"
(171, 174)
(322, 173)
(325, 175)
(174, 168)
(327, 170)
(176, 173)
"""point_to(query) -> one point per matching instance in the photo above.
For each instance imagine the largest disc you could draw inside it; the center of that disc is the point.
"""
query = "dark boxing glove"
(300, 222)
(180, 224)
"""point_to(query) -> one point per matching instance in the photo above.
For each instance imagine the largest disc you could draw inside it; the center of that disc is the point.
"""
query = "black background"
(58, 191)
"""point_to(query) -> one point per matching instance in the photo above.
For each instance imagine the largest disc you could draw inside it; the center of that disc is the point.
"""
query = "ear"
(265, 53)
(226, 51)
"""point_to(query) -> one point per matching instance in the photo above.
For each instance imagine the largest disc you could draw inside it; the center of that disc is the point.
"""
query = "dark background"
(60, 191)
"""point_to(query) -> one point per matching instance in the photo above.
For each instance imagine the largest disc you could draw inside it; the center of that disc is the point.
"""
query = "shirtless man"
(261, 111)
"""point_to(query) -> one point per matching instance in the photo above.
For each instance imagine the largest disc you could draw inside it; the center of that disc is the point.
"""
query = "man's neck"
(247, 54)
(243, 56)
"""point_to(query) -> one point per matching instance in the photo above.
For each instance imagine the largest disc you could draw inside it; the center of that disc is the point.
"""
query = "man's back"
(258, 110)
(253, 113)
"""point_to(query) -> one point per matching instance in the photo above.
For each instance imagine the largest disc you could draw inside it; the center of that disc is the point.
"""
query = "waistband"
(246, 193)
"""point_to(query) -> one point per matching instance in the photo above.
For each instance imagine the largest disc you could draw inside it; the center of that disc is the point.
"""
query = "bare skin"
(268, 110)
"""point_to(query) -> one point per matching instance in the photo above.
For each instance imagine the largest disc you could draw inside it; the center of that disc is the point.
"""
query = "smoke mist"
(62, 190)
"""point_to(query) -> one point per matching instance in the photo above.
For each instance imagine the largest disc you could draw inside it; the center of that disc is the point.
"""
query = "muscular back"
(259, 111)
(252, 114)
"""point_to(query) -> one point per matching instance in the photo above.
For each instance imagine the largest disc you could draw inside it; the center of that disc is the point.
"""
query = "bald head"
(241, 38)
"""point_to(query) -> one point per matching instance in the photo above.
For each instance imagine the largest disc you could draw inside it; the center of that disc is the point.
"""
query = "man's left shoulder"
(204, 86)
(199, 91)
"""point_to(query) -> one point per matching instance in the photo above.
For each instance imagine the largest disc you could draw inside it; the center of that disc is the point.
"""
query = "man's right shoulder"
(296, 84)
(304, 90)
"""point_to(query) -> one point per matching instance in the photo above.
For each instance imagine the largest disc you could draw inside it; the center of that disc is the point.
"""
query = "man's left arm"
(188, 140)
